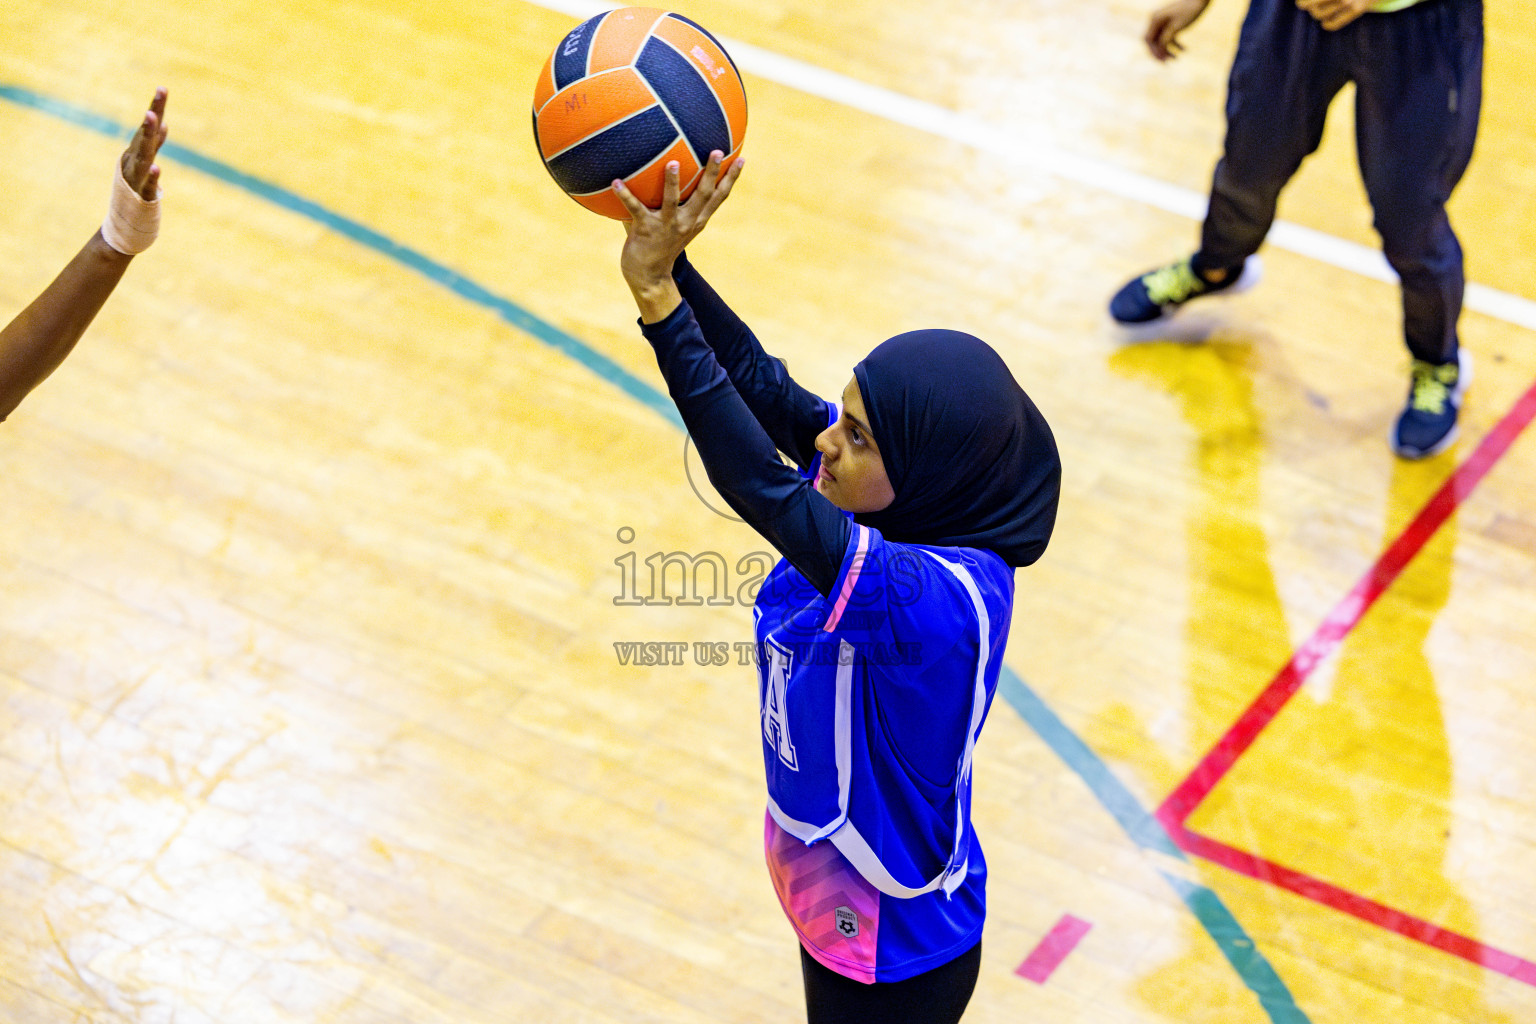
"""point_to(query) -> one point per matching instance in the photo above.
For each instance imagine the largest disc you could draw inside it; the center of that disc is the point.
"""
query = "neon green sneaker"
(1427, 425)
(1159, 292)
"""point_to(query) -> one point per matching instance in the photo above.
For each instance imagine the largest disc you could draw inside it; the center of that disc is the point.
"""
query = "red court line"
(1176, 809)
(1053, 949)
(1354, 904)
(1190, 793)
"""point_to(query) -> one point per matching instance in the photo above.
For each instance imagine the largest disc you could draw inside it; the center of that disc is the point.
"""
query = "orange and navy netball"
(626, 93)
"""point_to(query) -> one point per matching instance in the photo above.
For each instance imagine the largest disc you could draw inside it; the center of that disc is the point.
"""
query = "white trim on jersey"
(856, 849)
(978, 704)
(844, 835)
(842, 730)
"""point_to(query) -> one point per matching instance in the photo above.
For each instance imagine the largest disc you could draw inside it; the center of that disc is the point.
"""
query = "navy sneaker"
(1159, 292)
(1428, 423)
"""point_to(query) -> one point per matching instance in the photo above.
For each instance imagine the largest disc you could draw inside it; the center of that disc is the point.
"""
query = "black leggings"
(938, 996)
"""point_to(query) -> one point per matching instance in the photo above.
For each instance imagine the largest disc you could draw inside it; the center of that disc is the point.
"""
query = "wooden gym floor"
(312, 705)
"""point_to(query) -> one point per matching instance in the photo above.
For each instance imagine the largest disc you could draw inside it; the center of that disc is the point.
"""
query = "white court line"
(1015, 147)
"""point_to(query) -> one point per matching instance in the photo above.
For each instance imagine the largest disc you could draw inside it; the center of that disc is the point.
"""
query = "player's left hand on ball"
(655, 237)
(1334, 14)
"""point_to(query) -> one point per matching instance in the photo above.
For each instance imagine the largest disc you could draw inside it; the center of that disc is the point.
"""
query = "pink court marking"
(1053, 949)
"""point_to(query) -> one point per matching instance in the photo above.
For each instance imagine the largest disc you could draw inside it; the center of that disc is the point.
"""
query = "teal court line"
(1143, 829)
(1148, 833)
(365, 236)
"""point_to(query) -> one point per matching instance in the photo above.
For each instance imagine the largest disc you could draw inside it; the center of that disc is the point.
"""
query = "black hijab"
(971, 459)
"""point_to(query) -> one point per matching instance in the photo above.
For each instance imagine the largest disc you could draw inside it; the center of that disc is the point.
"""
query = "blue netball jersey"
(871, 702)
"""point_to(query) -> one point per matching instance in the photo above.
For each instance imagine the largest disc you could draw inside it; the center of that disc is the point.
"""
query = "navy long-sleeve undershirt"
(790, 414)
(741, 408)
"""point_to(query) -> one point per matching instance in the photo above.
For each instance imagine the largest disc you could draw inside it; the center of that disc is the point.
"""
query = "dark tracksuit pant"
(1418, 89)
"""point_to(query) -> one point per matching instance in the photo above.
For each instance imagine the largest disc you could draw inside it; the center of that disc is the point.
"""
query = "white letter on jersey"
(775, 714)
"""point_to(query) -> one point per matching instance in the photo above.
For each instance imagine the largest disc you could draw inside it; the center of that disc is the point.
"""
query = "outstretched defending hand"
(138, 163)
(39, 338)
(1162, 35)
(133, 216)
(653, 238)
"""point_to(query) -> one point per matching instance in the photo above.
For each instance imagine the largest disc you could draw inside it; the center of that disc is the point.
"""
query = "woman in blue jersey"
(880, 634)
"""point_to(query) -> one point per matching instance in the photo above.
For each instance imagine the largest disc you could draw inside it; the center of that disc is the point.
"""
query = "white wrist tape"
(132, 223)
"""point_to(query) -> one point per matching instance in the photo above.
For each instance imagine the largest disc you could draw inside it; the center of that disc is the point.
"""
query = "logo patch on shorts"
(847, 922)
